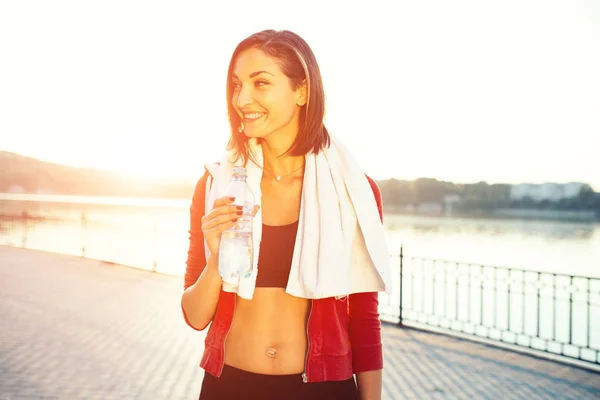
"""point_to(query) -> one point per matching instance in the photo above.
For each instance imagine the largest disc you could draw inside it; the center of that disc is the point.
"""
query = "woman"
(277, 345)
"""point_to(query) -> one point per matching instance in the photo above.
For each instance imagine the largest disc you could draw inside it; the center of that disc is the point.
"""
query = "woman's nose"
(244, 97)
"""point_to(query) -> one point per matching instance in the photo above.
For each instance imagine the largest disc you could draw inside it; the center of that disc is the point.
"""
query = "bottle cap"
(239, 171)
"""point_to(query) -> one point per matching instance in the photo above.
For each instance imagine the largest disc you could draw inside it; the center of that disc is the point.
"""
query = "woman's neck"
(275, 162)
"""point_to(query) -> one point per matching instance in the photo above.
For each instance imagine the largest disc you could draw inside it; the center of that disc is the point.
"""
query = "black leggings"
(234, 384)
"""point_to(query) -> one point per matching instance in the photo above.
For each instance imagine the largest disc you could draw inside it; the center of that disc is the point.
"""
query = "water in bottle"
(236, 250)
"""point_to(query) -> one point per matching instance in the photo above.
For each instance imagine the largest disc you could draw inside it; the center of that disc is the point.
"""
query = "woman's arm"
(199, 301)
(365, 332)
(365, 338)
(202, 282)
(369, 384)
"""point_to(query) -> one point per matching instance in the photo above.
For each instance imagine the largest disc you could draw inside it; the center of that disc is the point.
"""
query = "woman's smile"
(253, 117)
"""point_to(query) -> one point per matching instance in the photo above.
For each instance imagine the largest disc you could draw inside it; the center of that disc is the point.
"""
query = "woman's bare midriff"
(268, 333)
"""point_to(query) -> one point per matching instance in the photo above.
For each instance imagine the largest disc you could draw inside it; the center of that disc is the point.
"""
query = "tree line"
(481, 196)
(31, 176)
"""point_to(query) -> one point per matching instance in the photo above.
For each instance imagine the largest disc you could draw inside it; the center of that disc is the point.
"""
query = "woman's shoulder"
(377, 193)
(374, 186)
(210, 170)
(200, 187)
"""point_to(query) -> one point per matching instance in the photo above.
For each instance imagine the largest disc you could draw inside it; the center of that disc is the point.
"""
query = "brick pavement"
(75, 329)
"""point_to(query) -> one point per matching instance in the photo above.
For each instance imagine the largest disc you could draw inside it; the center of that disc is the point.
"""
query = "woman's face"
(263, 96)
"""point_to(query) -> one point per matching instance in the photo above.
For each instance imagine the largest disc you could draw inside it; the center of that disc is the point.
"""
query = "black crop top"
(275, 255)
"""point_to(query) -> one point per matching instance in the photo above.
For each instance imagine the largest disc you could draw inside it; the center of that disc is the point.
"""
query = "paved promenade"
(81, 329)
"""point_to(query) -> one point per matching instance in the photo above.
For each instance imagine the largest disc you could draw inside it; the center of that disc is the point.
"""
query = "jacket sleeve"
(196, 258)
(363, 315)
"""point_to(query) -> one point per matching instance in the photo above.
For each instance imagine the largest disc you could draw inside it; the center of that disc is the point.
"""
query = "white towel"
(340, 245)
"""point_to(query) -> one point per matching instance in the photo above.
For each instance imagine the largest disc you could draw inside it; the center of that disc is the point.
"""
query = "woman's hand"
(223, 216)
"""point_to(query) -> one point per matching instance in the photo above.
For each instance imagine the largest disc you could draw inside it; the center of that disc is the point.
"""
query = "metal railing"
(150, 243)
(547, 312)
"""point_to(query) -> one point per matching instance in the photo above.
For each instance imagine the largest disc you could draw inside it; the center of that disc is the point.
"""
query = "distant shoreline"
(140, 201)
(512, 214)
(505, 214)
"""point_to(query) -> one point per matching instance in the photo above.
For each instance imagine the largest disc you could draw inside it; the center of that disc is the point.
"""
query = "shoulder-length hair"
(299, 64)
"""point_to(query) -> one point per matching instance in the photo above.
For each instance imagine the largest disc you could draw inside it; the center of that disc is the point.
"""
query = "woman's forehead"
(253, 61)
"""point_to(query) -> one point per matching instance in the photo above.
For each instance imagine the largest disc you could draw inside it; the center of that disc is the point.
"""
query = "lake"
(152, 233)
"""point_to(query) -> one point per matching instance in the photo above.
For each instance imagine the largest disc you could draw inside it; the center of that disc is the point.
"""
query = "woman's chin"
(252, 133)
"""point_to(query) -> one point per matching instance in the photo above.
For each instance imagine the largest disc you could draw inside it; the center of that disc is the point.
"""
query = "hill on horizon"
(22, 174)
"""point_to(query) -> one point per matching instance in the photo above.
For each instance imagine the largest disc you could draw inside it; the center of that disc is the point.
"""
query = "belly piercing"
(271, 352)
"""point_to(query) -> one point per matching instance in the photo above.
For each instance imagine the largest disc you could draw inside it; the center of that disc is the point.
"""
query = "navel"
(271, 352)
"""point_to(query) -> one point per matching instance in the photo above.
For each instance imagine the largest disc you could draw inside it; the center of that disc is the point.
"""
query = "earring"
(241, 128)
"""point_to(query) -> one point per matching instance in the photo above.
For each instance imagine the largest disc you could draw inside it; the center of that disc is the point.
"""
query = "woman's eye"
(238, 85)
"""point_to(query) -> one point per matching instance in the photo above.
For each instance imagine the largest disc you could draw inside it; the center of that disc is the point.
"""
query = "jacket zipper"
(305, 374)
(227, 334)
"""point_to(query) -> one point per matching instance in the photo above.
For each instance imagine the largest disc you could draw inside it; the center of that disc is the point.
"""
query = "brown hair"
(298, 63)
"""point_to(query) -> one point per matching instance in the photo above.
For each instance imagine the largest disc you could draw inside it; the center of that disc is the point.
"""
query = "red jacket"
(344, 336)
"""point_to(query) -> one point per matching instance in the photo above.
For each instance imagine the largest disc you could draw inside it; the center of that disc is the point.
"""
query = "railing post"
(25, 219)
(154, 244)
(83, 233)
(589, 304)
(571, 310)
(401, 265)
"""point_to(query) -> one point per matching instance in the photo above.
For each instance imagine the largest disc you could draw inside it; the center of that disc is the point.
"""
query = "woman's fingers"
(218, 229)
(223, 216)
(223, 201)
(221, 219)
(221, 210)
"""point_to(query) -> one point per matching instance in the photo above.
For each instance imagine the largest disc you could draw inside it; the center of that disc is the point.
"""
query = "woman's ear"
(302, 94)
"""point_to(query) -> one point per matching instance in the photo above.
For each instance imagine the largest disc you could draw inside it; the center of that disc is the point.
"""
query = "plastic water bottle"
(236, 250)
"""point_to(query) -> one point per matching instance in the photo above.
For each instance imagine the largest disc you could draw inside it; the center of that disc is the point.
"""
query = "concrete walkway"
(75, 329)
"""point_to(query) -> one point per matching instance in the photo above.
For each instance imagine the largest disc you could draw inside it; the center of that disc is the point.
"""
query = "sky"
(504, 91)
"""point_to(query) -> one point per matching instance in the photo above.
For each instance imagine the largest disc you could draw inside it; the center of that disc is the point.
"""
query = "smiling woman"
(268, 86)
(289, 338)
(265, 100)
